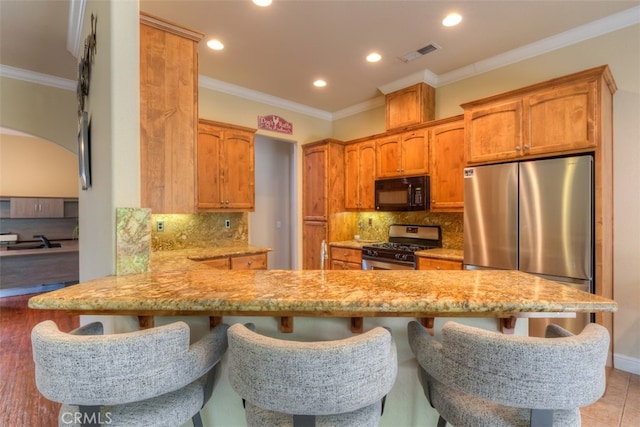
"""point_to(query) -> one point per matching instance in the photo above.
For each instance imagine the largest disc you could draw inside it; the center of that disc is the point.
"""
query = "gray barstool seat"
(323, 383)
(476, 377)
(152, 377)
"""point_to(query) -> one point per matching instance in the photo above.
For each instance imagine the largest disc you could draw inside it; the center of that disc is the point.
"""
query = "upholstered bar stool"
(476, 377)
(152, 377)
(322, 383)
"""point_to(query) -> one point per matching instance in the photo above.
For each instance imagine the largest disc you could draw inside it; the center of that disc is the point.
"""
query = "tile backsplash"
(375, 225)
(198, 230)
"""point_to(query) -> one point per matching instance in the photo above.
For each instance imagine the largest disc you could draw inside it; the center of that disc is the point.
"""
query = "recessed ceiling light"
(319, 83)
(263, 3)
(374, 57)
(451, 19)
(215, 44)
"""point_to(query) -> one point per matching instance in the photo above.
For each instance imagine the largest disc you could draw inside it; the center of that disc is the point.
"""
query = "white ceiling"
(278, 51)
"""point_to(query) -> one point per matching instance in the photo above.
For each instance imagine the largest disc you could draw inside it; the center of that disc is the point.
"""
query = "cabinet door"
(249, 262)
(415, 153)
(447, 167)
(313, 233)
(494, 132)
(237, 156)
(388, 163)
(561, 119)
(410, 106)
(360, 175)
(367, 174)
(315, 181)
(438, 264)
(351, 176)
(346, 255)
(168, 117)
(32, 207)
(209, 185)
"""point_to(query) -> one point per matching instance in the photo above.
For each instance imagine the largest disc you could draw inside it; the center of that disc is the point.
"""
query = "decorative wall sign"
(275, 123)
(84, 66)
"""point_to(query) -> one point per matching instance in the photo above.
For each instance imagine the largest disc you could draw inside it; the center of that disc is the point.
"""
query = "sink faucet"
(47, 243)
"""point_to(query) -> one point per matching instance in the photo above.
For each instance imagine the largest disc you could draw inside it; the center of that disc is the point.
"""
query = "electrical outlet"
(160, 225)
(227, 223)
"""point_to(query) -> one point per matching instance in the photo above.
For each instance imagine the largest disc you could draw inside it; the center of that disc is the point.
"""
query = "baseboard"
(626, 363)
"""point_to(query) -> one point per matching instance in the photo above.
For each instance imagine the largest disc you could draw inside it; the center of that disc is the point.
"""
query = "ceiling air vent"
(420, 52)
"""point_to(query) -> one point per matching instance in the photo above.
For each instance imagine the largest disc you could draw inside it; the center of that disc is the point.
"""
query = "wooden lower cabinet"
(345, 258)
(241, 262)
(249, 262)
(438, 264)
(218, 263)
(314, 233)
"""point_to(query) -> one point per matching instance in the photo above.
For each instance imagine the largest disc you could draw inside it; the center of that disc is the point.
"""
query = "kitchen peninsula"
(319, 293)
(325, 301)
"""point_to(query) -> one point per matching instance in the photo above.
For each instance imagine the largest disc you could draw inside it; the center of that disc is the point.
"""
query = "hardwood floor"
(22, 405)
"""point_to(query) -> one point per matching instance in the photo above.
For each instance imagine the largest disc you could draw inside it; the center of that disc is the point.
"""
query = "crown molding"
(38, 78)
(74, 26)
(231, 89)
(576, 35)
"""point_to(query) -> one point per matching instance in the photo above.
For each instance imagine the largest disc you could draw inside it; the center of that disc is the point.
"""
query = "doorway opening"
(272, 224)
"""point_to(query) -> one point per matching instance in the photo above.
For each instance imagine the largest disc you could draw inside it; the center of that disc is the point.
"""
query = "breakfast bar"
(321, 301)
(318, 293)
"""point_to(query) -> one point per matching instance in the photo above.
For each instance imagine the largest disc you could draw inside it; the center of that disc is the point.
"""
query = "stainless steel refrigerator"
(536, 217)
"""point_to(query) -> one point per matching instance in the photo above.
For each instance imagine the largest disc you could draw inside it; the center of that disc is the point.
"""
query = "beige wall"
(42, 111)
(35, 167)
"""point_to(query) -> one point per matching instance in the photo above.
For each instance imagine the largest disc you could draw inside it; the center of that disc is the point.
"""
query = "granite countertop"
(333, 293)
(67, 246)
(442, 253)
(187, 259)
(354, 244)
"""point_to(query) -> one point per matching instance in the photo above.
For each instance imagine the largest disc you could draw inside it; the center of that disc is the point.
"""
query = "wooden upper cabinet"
(168, 115)
(360, 175)
(561, 118)
(557, 116)
(494, 132)
(410, 106)
(446, 142)
(403, 154)
(225, 167)
(315, 183)
(322, 179)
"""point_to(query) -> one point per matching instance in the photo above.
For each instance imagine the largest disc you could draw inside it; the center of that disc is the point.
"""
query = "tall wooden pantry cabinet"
(323, 198)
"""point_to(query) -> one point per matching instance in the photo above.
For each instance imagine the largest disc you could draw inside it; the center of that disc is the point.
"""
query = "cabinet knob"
(433, 201)
(526, 146)
(518, 148)
(438, 268)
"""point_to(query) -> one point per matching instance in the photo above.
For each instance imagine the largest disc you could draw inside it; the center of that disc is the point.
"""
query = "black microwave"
(402, 194)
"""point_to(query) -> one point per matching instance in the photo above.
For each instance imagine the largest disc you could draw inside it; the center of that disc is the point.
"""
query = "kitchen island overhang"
(502, 294)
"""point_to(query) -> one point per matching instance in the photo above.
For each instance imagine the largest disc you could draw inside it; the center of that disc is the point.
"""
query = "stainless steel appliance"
(533, 216)
(399, 252)
(402, 194)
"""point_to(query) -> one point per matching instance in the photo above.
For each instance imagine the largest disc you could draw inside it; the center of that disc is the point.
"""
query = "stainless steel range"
(399, 252)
